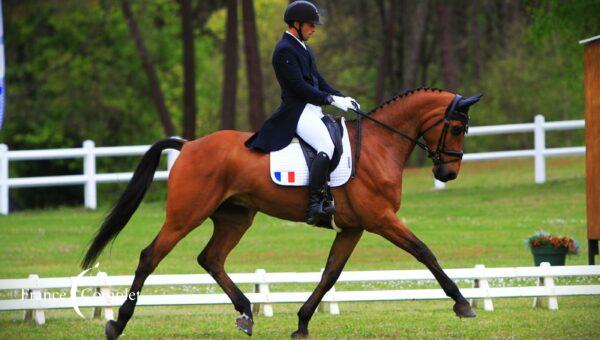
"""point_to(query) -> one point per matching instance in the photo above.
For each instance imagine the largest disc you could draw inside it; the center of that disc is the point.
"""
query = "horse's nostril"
(450, 176)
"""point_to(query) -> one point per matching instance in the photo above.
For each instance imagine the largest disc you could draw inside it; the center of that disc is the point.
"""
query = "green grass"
(483, 217)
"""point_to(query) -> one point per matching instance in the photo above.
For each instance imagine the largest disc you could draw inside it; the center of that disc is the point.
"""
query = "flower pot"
(556, 256)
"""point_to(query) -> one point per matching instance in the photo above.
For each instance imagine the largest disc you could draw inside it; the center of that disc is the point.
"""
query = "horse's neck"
(402, 115)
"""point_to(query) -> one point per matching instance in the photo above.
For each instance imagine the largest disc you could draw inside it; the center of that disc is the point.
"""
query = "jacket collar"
(294, 41)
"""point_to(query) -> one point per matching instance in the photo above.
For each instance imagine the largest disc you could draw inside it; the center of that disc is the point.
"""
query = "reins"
(435, 155)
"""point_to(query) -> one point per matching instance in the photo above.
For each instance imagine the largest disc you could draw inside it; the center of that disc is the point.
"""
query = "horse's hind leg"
(230, 224)
(166, 239)
(183, 216)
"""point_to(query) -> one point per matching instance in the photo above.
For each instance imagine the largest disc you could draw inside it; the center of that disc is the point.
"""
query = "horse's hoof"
(299, 335)
(464, 310)
(244, 323)
(111, 330)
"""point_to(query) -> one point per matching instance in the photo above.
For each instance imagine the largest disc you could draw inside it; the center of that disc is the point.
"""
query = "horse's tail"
(130, 199)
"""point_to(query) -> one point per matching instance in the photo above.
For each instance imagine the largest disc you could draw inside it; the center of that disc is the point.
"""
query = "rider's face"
(307, 30)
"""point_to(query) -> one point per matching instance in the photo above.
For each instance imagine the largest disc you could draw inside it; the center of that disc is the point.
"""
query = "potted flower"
(551, 248)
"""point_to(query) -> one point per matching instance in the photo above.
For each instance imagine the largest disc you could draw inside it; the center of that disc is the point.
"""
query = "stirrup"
(323, 216)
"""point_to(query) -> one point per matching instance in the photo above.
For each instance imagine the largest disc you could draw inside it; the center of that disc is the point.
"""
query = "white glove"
(354, 100)
(342, 103)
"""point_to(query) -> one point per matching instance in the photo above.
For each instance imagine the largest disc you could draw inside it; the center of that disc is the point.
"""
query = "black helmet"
(302, 11)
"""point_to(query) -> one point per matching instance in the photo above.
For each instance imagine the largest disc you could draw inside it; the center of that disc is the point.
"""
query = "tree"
(385, 62)
(256, 114)
(157, 93)
(189, 71)
(446, 21)
(229, 93)
(414, 44)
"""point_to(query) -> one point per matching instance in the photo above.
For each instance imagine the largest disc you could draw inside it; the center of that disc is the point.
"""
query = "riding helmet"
(302, 11)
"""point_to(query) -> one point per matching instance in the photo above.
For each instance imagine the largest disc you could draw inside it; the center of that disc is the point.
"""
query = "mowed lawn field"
(483, 217)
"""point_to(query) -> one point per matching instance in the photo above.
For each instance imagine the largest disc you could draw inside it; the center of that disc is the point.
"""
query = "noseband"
(450, 115)
(435, 155)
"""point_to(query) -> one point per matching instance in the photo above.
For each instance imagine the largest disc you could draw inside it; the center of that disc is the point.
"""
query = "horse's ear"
(464, 104)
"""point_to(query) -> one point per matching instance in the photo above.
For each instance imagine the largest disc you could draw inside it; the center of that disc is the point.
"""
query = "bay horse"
(217, 177)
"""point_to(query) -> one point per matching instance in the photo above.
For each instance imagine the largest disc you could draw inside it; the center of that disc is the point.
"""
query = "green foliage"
(73, 72)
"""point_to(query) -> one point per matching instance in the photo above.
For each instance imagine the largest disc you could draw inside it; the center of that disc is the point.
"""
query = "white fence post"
(546, 281)
(438, 185)
(171, 157)
(104, 291)
(3, 179)
(483, 284)
(539, 135)
(35, 294)
(89, 171)
(262, 287)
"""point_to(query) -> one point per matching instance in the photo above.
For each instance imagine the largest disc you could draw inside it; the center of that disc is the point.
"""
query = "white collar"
(298, 40)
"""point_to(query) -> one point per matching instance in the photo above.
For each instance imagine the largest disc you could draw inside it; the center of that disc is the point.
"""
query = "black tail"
(130, 199)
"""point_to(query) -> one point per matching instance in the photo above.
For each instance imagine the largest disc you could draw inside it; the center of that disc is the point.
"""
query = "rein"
(435, 155)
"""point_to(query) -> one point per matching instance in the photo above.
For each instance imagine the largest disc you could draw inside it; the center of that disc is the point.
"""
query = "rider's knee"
(327, 147)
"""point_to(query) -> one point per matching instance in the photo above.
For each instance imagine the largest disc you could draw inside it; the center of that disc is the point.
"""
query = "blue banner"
(2, 90)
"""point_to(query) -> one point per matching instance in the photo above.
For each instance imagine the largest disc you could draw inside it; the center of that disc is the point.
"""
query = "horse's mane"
(405, 94)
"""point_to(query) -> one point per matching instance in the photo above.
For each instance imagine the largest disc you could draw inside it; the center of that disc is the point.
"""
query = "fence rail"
(539, 152)
(35, 299)
(90, 178)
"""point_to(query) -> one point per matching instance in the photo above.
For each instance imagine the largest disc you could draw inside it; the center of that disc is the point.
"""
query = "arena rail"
(90, 178)
(39, 294)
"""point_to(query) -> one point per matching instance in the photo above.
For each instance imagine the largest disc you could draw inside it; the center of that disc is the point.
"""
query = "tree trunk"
(413, 46)
(189, 71)
(229, 93)
(256, 114)
(157, 94)
(446, 21)
(474, 42)
(385, 63)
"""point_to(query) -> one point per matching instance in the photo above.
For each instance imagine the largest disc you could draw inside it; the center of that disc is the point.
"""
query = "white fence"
(539, 152)
(90, 178)
(35, 297)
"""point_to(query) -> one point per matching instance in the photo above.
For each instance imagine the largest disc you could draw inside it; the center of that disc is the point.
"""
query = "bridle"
(435, 154)
(450, 115)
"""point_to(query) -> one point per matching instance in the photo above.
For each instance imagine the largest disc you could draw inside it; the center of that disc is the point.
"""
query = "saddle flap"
(336, 132)
(290, 165)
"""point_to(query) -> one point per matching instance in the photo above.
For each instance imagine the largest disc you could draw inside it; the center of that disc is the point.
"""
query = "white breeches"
(312, 129)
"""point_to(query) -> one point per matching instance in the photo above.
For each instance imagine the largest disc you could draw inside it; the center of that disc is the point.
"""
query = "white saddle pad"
(288, 166)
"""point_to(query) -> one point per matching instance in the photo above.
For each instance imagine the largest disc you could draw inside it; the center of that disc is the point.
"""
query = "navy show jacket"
(300, 82)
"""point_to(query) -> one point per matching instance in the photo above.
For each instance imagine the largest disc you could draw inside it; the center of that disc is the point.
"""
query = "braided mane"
(405, 94)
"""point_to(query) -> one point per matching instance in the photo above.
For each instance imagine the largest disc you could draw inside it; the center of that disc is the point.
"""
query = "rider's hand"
(343, 103)
(355, 102)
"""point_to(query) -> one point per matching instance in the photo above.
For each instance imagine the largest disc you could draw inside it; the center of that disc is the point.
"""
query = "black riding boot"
(318, 213)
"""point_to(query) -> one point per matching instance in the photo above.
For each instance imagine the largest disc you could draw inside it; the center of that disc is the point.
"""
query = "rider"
(303, 92)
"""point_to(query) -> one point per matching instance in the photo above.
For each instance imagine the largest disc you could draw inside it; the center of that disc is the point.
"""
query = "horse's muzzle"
(443, 174)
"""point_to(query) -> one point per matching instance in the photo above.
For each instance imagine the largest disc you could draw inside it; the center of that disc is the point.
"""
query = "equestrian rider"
(303, 92)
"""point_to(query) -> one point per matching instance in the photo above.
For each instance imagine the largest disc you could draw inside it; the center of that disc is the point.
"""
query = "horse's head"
(445, 137)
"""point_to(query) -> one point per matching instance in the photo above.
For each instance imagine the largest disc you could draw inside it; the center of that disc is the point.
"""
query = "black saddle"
(336, 132)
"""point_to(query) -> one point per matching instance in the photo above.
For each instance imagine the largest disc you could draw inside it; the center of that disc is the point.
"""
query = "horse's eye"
(456, 130)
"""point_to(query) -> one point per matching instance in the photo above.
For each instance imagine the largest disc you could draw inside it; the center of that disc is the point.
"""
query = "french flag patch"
(285, 177)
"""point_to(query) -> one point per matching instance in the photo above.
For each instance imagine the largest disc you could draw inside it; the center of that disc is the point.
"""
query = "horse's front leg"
(396, 231)
(342, 247)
